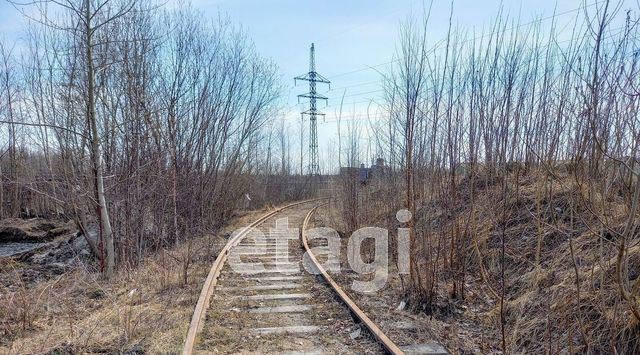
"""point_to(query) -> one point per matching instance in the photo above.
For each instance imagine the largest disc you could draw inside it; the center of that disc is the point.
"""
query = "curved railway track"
(277, 306)
(386, 342)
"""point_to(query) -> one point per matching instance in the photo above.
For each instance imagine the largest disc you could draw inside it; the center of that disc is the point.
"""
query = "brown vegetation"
(144, 127)
(81, 312)
(517, 156)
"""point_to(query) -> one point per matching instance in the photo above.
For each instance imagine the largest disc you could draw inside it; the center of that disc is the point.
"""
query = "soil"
(37, 249)
(462, 329)
(541, 263)
(34, 230)
(51, 306)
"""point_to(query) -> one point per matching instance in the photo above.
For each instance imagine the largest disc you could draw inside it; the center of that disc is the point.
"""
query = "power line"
(358, 26)
(355, 85)
(436, 46)
(354, 103)
(619, 30)
(373, 117)
(369, 100)
(364, 93)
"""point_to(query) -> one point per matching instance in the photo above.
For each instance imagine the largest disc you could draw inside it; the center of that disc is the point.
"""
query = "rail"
(386, 342)
(212, 278)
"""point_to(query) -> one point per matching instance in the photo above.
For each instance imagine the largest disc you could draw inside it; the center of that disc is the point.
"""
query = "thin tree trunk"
(106, 233)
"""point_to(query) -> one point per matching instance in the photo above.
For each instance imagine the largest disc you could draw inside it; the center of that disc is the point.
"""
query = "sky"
(353, 39)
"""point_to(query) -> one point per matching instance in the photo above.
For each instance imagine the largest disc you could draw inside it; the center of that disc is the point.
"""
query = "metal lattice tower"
(313, 77)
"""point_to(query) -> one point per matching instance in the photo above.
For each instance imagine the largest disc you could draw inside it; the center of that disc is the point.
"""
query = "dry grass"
(555, 300)
(143, 309)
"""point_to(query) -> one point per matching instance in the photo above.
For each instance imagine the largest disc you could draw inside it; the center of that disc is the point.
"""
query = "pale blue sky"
(350, 35)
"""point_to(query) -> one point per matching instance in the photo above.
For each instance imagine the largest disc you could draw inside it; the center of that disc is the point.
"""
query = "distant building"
(363, 174)
(379, 169)
(354, 173)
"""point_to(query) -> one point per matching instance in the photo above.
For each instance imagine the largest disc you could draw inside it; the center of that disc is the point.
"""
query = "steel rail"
(212, 279)
(386, 342)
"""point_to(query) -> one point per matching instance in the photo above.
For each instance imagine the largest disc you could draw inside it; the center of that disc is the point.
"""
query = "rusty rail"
(212, 279)
(386, 342)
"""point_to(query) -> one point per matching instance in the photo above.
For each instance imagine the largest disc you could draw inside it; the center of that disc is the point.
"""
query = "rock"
(356, 333)
(55, 232)
(19, 251)
(30, 275)
(405, 325)
(80, 244)
(56, 268)
(39, 258)
(427, 348)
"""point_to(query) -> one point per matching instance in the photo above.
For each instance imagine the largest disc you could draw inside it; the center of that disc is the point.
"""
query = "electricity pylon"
(312, 77)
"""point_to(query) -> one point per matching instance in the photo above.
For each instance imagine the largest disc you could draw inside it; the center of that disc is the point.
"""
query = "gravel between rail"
(282, 309)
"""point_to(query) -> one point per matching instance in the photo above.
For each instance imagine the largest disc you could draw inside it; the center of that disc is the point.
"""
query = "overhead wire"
(538, 21)
(433, 49)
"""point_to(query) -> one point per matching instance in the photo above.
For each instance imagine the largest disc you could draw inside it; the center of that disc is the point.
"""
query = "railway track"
(256, 301)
